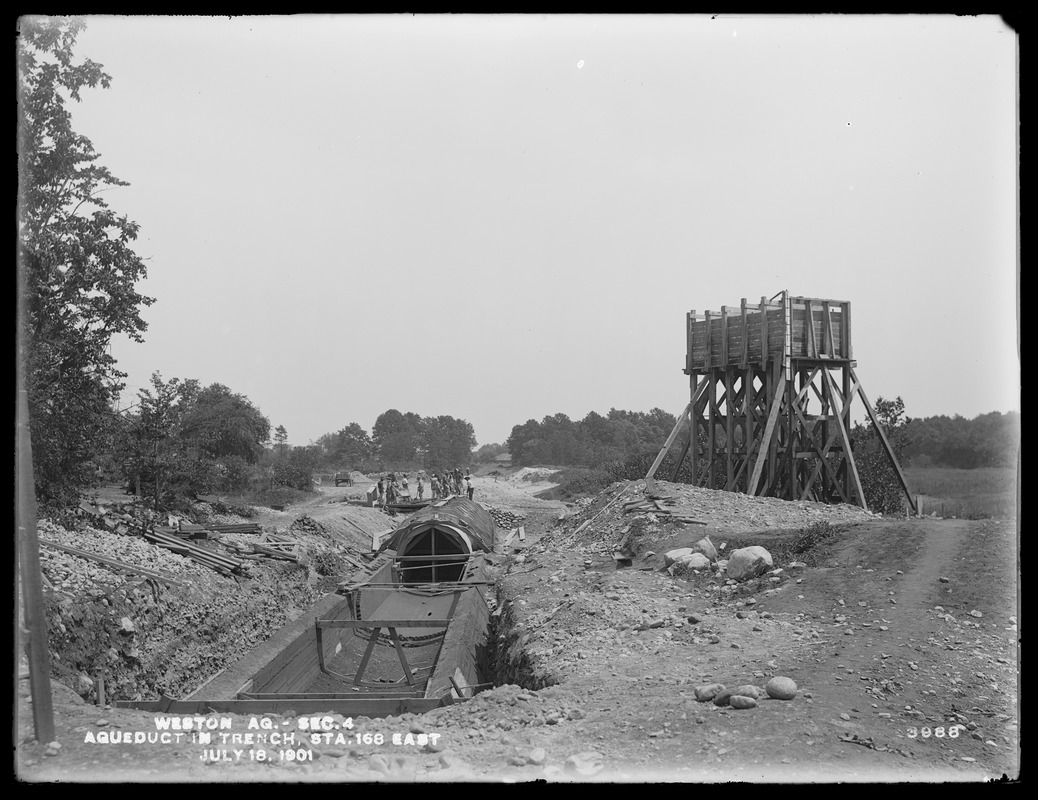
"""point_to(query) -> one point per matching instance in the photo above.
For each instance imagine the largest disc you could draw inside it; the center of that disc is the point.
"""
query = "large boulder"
(706, 547)
(748, 562)
(781, 688)
(693, 561)
(669, 558)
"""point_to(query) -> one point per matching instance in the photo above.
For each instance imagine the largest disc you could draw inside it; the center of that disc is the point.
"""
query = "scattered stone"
(975, 613)
(709, 691)
(706, 547)
(537, 756)
(748, 562)
(845, 716)
(742, 701)
(781, 688)
(672, 557)
(942, 579)
(749, 690)
(696, 561)
(101, 722)
(722, 698)
(586, 763)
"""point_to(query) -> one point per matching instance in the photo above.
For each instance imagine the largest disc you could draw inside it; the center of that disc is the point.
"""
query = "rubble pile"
(601, 526)
(75, 573)
(505, 519)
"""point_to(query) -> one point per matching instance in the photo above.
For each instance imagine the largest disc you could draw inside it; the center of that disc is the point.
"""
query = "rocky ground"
(901, 637)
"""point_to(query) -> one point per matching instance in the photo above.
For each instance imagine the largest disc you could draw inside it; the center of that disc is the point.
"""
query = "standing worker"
(468, 486)
(381, 491)
(421, 486)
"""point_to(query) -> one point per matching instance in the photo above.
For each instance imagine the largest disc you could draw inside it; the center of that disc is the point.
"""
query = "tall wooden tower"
(771, 393)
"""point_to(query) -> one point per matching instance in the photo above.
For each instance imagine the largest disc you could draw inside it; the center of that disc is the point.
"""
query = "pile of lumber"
(112, 518)
(185, 530)
(225, 565)
(270, 546)
(659, 505)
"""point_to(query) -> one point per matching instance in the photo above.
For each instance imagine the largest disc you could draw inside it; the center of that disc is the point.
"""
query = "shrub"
(809, 538)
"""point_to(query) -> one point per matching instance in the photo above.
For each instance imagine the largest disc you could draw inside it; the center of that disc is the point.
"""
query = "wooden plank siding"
(815, 329)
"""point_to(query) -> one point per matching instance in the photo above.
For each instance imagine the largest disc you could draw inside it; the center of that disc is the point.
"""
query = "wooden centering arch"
(756, 375)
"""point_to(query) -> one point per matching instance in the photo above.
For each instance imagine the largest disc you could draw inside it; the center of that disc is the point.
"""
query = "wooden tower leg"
(765, 448)
(886, 444)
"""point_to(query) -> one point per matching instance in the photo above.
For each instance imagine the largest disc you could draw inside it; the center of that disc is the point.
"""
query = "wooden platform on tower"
(772, 387)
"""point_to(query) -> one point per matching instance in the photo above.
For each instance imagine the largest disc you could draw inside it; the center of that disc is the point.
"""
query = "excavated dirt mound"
(900, 635)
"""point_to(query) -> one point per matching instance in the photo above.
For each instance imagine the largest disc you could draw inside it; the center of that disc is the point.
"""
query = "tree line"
(79, 274)
(594, 441)
(398, 441)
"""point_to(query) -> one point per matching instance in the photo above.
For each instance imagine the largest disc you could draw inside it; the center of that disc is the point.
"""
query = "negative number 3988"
(939, 732)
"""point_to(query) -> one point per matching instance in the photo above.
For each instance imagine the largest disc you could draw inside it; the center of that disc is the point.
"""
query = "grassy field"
(965, 493)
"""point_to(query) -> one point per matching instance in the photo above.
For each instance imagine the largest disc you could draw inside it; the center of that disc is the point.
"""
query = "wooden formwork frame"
(750, 426)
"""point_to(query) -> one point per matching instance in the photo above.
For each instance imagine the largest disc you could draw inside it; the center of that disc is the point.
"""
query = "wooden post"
(763, 330)
(744, 358)
(724, 336)
(666, 445)
(34, 634)
(765, 442)
(729, 419)
(884, 441)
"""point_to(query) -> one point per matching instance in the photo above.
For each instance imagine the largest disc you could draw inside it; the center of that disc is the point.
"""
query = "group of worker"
(449, 482)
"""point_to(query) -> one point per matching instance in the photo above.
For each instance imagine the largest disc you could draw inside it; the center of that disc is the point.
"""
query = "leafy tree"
(224, 424)
(156, 455)
(296, 470)
(518, 439)
(280, 437)
(879, 481)
(397, 436)
(77, 264)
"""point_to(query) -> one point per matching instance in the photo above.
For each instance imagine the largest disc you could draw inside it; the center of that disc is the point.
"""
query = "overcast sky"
(504, 217)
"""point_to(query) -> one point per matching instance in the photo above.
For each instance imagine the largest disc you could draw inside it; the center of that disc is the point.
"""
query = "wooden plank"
(769, 428)
(724, 335)
(729, 438)
(846, 352)
(670, 440)
(689, 339)
(744, 356)
(827, 332)
(883, 439)
(708, 340)
(764, 329)
(845, 439)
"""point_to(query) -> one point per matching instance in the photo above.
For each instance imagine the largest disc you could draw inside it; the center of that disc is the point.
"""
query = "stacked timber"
(225, 565)
(659, 505)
